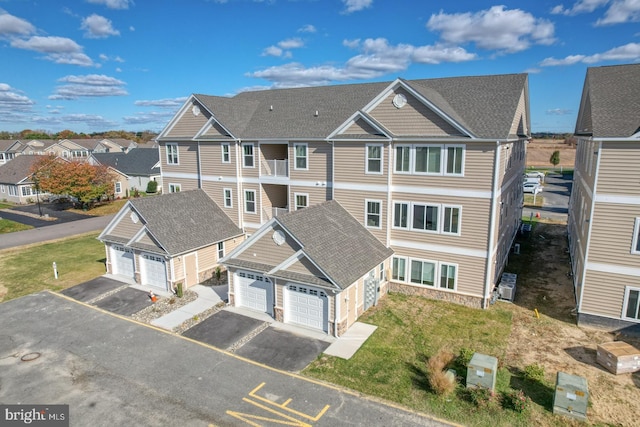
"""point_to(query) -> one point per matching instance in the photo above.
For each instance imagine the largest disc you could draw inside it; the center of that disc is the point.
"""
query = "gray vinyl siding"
(414, 118)
(211, 160)
(612, 233)
(270, 253)
(604, 293)
(318, 162)
(350, 163)
(619, 169)
(188, 125)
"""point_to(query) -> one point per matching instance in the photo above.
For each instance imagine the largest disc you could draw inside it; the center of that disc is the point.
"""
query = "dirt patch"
(553, 339)
(539, 152)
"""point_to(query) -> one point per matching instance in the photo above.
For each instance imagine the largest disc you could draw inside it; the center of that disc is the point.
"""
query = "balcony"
(275, 168)
(273, 212)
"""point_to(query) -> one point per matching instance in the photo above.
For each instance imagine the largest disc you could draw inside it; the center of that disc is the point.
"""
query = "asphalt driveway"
(126, 302)
(54, 210)
(92, 289)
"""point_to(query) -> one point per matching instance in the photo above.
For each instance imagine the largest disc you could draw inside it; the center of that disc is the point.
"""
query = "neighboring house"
(432, 168)
(7, 150)
(160, 241)
(118, 144)
(16, 185)
(36, 147)
(604, 211)
(317, 267)
(134, 169)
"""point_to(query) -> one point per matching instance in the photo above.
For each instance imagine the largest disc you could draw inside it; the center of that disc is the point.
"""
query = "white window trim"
(403, 202)
(177, 162)
(366, 214)
(459, 208)
(178, 186)
(2, 187)
(222, 153)
(366, 159)
(306, 156)
(436, 273)
(255, 202)
(220, 248)
(253, 155)
(446, 158)
(118, 187)
(636, 237)
(414, 157)
(455, 278)
(406, 266)
(395, 160)
(438, 229)
(437, 282)
(625, 304)
(295, 200)
(224, 197)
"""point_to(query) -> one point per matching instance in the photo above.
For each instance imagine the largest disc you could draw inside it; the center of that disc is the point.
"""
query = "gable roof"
(135, 162)
(180, 222)
(18, 169)
(610, 102)
(341, 248)
(483, 105)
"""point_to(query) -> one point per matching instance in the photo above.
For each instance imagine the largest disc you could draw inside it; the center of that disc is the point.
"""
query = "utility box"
(482, 371)
(618, 357)
(571, 396)
(507, 286)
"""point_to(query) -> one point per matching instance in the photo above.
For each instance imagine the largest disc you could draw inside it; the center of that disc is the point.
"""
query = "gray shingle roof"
(135, 162)
(184, 221)
(17, 169)
(485, 105)
(613, 102)
(335, 241)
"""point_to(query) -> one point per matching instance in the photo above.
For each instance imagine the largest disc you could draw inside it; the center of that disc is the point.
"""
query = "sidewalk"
(207, 298)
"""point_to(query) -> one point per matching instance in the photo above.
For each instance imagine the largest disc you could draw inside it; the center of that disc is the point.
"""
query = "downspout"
(238, 186)
(492, 221)
(199, 166)
(333, 169)
(336, 298)
(389, 182)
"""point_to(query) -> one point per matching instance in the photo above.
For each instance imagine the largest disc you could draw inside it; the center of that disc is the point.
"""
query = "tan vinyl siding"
(211, 160)
(619, 169)
(231, 244)
(147, 240)
(316, 194)
(185, 184)
(355, 203)
(350, 163)
(187, 158)
(207, 257)
(248, 172)
(267, 252)
(612, 233)
(126, 228)
(178, 266)
(215, 130)
(318, 162)
(188, 125)
(215, 190)
(360, 127)
(414, 118)
(604, 293)
(520, 125)
(585, 163)
(304, 266)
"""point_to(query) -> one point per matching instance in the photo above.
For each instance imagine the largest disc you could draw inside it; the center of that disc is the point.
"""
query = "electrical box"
(482, 371)
(571, 396)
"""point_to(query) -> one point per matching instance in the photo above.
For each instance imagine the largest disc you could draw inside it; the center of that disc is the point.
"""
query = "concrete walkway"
(347, 345)
(207, 298)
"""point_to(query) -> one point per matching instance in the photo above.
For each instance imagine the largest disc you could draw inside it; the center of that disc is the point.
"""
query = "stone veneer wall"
(278, 314)
(466, 300)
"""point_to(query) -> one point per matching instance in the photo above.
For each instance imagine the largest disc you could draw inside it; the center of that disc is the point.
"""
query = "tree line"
(140, 137)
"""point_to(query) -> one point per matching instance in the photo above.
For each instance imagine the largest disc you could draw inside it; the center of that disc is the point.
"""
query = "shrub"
(179, 291)
(515, 400)
(464, 357)
(534, 372)
(481, 397)
(441, 382)
(152, 186)
(218, 272)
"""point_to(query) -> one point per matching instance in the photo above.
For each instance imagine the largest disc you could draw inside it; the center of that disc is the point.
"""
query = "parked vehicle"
(528, 179)
(535, 174)
(531, 187)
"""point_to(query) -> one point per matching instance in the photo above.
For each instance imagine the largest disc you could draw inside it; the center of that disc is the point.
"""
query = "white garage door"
(153, 271)
(253, 291)
(306, 306)
(122, 261)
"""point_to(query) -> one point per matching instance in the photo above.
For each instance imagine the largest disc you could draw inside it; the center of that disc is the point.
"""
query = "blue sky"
(95, 65)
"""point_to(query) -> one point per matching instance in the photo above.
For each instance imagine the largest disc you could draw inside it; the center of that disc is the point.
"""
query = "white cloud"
(307, 29)
(628, 52)
(377, 58)
(272, 51)
(283, 49)
(60, 50)
(493, 29)
(113, 4)
(162, 103)
(98, 27)
(92, 85)
(92, 121)
(559, 112)
(294, 43)
(11, 100)
(580, 6)
(154, 117)
(356, 5)
(11, 25)
(621, 11)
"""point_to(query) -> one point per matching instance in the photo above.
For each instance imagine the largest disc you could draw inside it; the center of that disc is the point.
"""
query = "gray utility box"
(571, 397)
(482, 371)
(507, 286)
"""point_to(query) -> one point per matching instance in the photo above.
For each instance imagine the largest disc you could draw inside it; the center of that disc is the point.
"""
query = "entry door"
(190, 270)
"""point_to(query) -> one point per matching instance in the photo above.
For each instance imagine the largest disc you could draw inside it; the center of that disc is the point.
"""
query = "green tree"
(555, 158)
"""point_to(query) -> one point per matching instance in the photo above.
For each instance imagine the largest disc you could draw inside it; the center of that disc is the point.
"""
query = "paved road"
(556, 193)
(113, 371)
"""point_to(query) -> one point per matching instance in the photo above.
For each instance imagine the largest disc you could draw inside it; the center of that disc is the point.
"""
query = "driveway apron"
(126, 302)
(223, 329)
(92, 289)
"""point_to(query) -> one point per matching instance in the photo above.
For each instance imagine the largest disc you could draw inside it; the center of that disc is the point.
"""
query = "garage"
(122, 261)
(253, 291)
(306, 306)
(153, 271)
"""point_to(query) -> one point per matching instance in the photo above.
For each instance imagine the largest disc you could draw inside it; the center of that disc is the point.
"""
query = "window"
(373, 213)
(247, 155)
(228, 199)
(423, 272)
(118, 188)
(226, 156)
(401, 215)
(300, 156)
(13, 190)
(632, 303)
(302, 200)
(448, 276)
(174, 188)
(455, 154)
(172, 154)
(374, 159)
(403, 158)
(425, 217)
(635, 246)
(399, 269)
(250, 201)
(451, 220)
(2, 187)
(428, 159)
(26, 191)
(220, 250)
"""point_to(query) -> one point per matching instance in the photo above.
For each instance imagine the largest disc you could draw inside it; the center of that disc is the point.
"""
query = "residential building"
(432, 168)
(133, 170)
(16, 183)
(604, 210)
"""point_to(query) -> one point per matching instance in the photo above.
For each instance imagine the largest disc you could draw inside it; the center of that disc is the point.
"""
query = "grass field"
(7, 226)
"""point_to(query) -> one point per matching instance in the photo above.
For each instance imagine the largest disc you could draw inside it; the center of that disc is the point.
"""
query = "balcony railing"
(270, 213)
(276, 168)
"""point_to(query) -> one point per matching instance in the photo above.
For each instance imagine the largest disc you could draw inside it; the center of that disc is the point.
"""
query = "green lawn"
(28, 270)
(7, 226)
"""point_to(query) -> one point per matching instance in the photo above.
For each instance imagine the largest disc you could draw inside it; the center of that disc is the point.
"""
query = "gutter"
(492, 222)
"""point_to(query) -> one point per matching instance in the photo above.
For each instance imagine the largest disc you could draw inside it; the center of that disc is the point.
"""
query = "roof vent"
(270, 107)
(315, 114)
